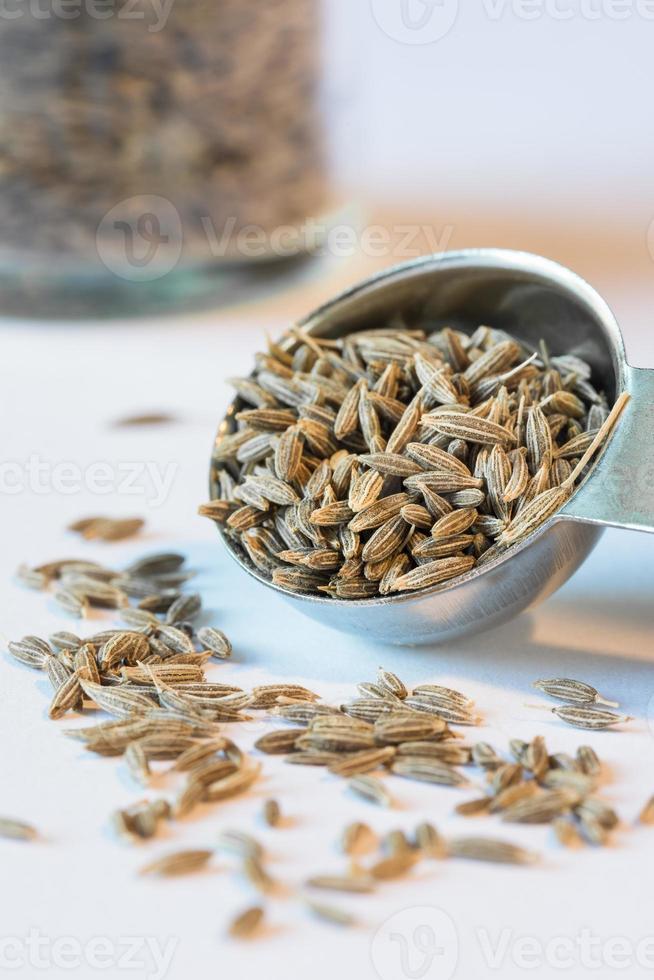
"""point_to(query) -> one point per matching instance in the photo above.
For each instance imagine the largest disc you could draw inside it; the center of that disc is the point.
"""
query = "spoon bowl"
(531, 298)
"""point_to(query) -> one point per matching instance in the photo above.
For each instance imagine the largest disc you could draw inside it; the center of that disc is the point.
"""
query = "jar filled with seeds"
(157, 151)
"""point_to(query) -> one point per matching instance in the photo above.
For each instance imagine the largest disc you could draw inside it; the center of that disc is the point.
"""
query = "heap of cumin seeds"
(150, 678)
(396, 459)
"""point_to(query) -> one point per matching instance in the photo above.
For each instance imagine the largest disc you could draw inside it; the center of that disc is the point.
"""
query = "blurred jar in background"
(158, 152)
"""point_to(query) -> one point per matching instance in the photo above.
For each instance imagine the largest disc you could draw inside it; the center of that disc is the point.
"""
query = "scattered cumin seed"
(371, 789)
(107, 528)
(178, 863)
(145, 419)
(589, 718)
(16, 829)
(429, 841)
(471, 808)
(646, 815)
(329, 913)
(31, 578)
(567, 689)
(566, 832)
(216, 641)
(540, 807)
(245, 923)
(256, 874)
(394, 866)
(272, 813)
(489, 849)
(356, 838)
(427, 770)
(240, 843)
(588, 760)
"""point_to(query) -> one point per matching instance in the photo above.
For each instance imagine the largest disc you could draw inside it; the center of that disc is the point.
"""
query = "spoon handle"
(620, 489)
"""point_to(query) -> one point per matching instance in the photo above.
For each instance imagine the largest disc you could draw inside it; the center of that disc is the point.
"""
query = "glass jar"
(155, 152)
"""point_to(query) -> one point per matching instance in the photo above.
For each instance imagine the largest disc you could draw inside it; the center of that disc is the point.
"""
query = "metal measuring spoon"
(531, 298)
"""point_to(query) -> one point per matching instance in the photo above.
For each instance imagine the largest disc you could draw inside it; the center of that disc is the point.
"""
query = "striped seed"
(387, 540)
(531, 517)
(329, 913)
(175, 639)
(17, 829)
(429, 841)
(239, 843)
(453, 713)
(271, 813)
(566, 832)
(359, 763)
(471, 428)
(458, 522)
(539, 438)
(484, 755)
(588, 760)
(433, 458)
(578, 782)
(336, 741)
(394, 729)
(67, 697)
(433, 573)
(489, 849)
(590, 718)
(119, 701)
(246, 923)
(646, 815)
(387, 679)
(279, 742)
(123, 647)
(449, 753)
(595, 809)
(391, 464)
(419, 516)
(517, 483)
(394, 866)
(266, 695)
(578, 692)
(472, 808)
(406, 427)
(356, 838)
(137, 762)
(71, 602)
(183, 608)
(540, 807)
(233, 784)
(178, 863)
(427, 770)
(64, 640)
(313, 757)
(198, 753)
(450, 547)
(354, 884)
(506, 775)
(378, 513)
(370, 789)
(512, 794)
(31, 578)
(31, 651)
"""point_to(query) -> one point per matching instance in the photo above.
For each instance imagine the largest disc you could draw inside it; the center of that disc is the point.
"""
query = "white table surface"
(77, 891)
